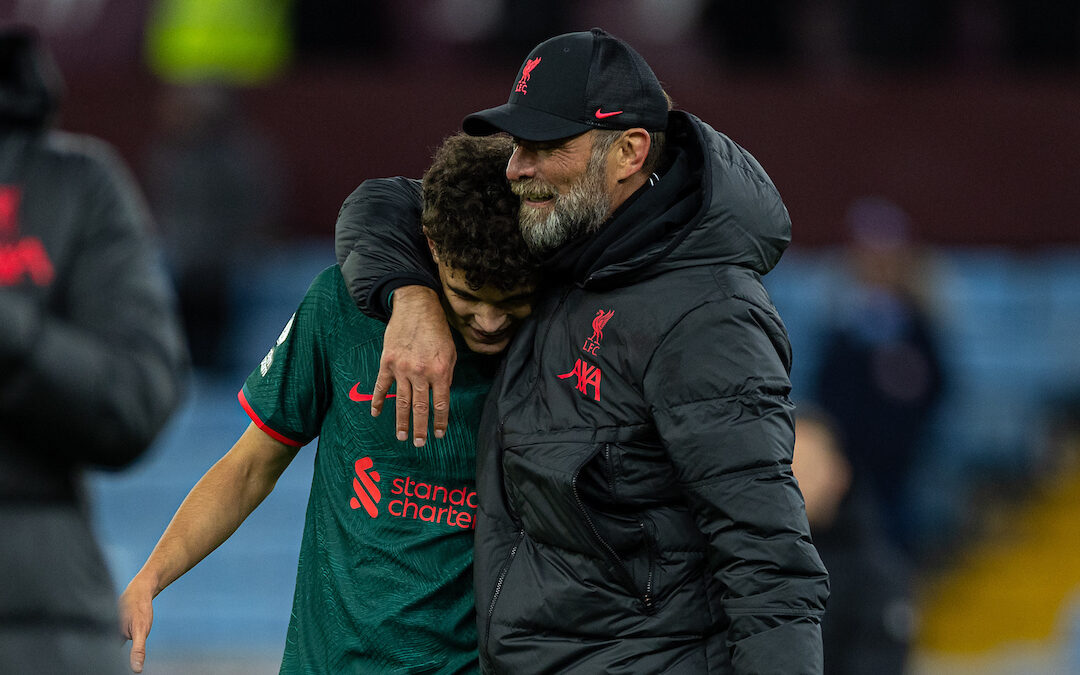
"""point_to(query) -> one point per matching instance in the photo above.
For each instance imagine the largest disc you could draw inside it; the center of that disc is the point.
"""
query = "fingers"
(420, 413)
(136, 610)
(416, 385)
(440, 403)
(133, 629)
(401, 409)
(382, 385)
(418, 356)
(412, 400)
(138, 651)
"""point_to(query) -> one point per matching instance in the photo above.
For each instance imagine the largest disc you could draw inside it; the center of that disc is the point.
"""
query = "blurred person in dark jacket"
(91, 366)
(881, 375)
(868, 626)
(213, 183)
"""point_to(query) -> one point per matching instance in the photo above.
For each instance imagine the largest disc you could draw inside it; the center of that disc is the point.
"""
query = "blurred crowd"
(756, 35)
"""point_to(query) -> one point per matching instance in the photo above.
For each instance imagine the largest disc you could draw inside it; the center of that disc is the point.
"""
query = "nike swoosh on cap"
(602, 115)
(355, 395)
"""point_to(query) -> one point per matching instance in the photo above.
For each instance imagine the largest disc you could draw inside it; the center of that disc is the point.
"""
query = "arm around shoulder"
(382, 250)
(379, 243)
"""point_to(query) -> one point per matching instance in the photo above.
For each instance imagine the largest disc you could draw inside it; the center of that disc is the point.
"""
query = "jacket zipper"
(503, 571)
(646, 599)
(610, 470)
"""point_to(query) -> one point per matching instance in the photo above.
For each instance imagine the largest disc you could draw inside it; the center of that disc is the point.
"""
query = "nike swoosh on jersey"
(355, 395)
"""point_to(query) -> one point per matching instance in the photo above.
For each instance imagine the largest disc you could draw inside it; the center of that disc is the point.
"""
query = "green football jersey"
(384, 581)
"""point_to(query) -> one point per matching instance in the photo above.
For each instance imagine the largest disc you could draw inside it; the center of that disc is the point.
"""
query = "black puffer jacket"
(92, 361)
(637, 508)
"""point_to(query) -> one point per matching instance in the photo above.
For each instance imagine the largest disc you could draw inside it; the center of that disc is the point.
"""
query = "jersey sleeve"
(287, 395)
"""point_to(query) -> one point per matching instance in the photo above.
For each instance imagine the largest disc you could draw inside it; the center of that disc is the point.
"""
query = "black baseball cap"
(575, 82)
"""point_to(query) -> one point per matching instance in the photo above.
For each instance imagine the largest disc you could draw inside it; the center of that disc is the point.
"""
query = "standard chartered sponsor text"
(432, 503)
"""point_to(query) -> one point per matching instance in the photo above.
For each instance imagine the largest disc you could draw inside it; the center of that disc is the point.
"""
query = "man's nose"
(522, 164)
(490, 319)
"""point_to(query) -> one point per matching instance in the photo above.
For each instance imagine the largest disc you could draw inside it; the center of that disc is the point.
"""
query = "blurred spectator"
(524, 23)
(869, 624)
(902, 33)
(489, 29)
(342, 29)
(881, 376)
(91, 366)
(753, 34)
(1044, 33)
(213, 183)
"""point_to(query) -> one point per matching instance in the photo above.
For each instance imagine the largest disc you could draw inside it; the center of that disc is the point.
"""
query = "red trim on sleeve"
(262, 425)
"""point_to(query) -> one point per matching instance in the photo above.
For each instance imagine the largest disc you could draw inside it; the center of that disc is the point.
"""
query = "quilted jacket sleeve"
(379, 243)
(719, 383)
(97, 364)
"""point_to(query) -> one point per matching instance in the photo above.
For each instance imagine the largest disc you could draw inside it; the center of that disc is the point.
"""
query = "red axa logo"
(526, 72)
(21, 258)
(587, 376)
(415, 500)
(592, 343)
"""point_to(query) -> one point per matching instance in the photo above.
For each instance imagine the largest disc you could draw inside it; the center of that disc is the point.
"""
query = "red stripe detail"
(262, 425)
(368, 479)
(369, 505)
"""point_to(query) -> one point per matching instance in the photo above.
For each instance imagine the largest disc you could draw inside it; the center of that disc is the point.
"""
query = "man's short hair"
(604, 139)
(471, 215)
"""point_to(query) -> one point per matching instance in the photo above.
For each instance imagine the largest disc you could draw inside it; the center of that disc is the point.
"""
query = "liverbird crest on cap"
(591, 80)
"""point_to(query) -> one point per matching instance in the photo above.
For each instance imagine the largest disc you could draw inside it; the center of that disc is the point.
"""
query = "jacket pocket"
(559, 493)
(643, 591)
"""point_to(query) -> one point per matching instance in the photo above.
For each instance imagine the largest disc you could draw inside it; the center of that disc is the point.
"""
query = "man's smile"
(488, 338)
(535, 195)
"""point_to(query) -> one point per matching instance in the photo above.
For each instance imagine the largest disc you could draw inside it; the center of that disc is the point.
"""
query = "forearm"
(218, 504)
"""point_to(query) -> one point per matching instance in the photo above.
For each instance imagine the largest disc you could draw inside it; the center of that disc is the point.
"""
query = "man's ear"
(431, 247)
(630, 152)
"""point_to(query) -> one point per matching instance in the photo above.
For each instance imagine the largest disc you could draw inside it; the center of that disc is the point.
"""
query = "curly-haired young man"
(384, 580)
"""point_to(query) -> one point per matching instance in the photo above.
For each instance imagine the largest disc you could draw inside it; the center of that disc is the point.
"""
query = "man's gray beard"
(581, 211)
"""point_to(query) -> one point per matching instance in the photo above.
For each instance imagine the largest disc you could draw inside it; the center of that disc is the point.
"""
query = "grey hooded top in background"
(92, 364)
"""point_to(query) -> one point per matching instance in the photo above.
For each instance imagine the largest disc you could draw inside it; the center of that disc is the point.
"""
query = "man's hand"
(136, 617)
(419, 355)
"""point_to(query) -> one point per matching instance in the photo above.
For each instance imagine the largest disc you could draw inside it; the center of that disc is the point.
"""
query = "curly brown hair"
(471, 216)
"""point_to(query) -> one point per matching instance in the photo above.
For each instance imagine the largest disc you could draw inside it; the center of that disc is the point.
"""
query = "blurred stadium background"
(964, 113)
